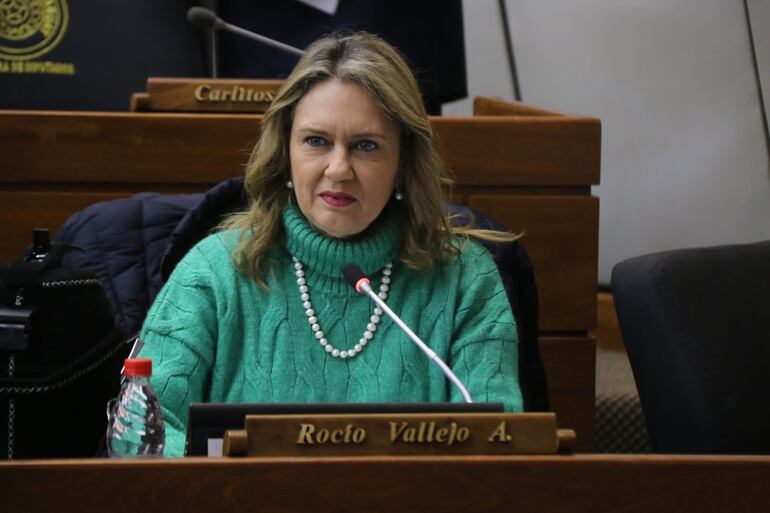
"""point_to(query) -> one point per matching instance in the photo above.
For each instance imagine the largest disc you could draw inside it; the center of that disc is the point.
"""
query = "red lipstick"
(337, 199)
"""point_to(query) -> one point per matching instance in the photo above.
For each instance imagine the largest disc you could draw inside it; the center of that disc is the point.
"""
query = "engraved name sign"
(398, 434)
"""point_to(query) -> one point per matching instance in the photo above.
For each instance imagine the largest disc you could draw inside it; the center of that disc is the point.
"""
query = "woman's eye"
(366, 145)
(315, 141)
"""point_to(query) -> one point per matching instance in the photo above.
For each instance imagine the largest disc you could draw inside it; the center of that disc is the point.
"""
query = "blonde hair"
(370, 62)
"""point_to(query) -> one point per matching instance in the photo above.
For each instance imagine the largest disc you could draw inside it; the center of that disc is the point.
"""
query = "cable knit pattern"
(324, 256)
(214, 335)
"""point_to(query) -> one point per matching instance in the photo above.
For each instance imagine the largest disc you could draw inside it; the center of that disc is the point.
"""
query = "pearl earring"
(289, 184)
(399, 195)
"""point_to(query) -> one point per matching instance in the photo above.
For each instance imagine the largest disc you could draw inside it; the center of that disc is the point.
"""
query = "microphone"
(202, 17)
(358, 280)
(207, 19)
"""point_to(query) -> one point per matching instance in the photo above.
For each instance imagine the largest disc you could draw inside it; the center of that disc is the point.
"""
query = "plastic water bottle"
(135, 419)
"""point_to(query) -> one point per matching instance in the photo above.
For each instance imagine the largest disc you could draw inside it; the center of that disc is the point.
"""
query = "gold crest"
(31, 28)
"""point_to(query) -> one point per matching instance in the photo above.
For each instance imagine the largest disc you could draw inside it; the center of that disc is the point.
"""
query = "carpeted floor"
(619, 423)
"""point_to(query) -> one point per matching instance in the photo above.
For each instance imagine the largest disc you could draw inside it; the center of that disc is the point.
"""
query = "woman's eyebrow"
(370, 135)
(313, 130)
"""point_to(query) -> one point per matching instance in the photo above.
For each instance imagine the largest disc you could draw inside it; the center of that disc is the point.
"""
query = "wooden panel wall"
(529, 169)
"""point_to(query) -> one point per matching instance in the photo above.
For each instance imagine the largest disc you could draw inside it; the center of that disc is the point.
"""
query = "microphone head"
(354, 276)
(202, 17)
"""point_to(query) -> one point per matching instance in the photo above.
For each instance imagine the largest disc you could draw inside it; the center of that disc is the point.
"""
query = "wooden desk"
(529, 169)
(574, 484)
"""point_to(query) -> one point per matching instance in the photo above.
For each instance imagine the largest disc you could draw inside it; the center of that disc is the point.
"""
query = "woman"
(345, 171)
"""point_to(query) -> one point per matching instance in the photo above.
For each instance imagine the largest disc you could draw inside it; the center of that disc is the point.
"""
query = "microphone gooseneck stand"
(207, 19)
(358, 280)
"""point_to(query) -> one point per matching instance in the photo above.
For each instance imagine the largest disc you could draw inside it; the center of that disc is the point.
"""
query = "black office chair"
(696, 324)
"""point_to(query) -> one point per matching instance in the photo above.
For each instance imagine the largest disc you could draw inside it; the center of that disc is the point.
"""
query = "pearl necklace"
(374, 320)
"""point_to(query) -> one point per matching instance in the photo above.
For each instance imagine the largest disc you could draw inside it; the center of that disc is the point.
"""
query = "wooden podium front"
(529, 169)
(467, 484)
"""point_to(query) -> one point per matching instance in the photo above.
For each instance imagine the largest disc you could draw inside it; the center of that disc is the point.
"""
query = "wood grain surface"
(521, 484)
(205, 148)
(561, 236)
(495, 107)
(570, 364)
(373, 434)
(207, 95)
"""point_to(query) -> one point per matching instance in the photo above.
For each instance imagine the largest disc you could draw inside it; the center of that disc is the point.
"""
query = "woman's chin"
(338, 224)
(338, 228)
(342, 233)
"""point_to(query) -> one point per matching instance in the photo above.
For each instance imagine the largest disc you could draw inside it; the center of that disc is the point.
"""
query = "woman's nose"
(339, 167)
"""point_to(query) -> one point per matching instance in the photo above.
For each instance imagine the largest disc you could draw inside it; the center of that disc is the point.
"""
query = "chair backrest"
(696, 324)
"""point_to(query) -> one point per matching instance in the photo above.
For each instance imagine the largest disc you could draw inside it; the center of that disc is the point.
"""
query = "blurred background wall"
(684, 146)
(684, 143)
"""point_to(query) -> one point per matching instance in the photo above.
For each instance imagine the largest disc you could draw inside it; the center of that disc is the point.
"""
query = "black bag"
(60, 356)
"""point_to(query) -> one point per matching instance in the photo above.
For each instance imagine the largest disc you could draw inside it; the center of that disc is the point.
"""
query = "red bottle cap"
(137, 367)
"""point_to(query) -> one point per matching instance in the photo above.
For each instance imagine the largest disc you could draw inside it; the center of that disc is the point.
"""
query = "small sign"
(395, 434)
(207, 95)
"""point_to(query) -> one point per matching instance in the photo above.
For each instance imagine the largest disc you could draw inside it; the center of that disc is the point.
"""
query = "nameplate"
(398, 434)
(209, 95)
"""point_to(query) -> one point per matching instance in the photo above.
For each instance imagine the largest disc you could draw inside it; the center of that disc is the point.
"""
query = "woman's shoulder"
(214, 251)
(472, 254)
(466, 266)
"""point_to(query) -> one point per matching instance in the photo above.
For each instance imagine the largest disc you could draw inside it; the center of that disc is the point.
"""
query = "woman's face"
(344, 155)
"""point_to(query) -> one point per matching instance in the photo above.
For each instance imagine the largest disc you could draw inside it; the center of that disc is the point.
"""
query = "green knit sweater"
(215, 335)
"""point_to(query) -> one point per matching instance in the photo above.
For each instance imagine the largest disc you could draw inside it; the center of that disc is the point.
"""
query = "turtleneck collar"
(324, 256)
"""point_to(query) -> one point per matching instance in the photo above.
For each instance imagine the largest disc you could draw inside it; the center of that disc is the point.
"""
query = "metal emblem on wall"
(30, 29)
